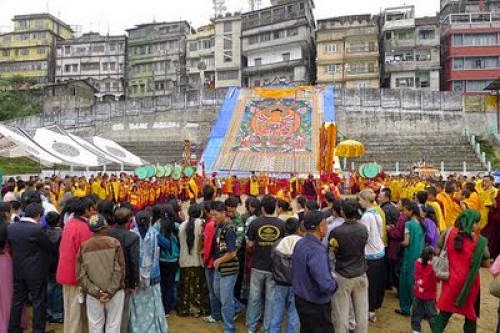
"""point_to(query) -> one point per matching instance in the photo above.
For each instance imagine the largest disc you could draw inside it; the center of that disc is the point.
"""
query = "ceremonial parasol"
(350, 149)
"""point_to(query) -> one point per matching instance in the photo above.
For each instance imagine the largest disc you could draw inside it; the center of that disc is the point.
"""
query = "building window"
(112, 47)
(361, 84)
(228, 26)
(458, 86)
(486, 39)
(404, 82)
(265, 37)
(253, 40)
(279, 34)
(357, 68)
(25, 51)
(75, 67)
(40, 50)
(23, 25)
(333, 68)
(112, 66)
(6, 39)
(405, 35)
(228, 44)
(286, 56)
(207, 43)
(388, 35)
(458, 63)
(258, 61)
(331, 48)
(477, 85)
(227, 75)
(293, 32)
(357, 47)
(5, 53)
(90, 66)
(193, 46)
(98, 48)
(67, 68)
(423, 55)
(427, 34)
(104, 66)
(67, 50)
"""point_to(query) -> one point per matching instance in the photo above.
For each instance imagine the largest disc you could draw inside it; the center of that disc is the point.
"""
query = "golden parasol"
(350, 149)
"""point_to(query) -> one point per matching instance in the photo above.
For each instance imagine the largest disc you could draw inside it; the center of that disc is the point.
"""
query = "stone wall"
(359, 112)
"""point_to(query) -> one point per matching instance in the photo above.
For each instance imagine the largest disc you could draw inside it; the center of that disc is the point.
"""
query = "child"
(55, 311)
(425, 290)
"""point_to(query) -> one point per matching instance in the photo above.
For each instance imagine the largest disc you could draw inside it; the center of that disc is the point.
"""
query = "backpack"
(281, 267)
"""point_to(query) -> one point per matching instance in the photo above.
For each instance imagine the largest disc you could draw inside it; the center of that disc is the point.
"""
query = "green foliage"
(18, 166)
(15, 99)
(491, 153)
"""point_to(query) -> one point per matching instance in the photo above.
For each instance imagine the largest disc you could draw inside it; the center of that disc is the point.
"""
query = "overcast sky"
(114, 16)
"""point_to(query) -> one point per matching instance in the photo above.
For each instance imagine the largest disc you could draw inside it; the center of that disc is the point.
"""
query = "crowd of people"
(117, 254)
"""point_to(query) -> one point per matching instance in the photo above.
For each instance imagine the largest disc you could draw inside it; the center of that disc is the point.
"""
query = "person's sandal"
(401, 313)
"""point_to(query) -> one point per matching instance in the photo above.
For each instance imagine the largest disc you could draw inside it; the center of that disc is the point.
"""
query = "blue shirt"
(311, 278)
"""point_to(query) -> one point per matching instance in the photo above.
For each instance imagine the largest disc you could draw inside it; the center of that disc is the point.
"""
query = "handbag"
(495, 286)
(441, 263)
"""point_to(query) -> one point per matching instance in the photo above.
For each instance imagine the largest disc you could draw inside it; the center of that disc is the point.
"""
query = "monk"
(451, 207)
(487, 196)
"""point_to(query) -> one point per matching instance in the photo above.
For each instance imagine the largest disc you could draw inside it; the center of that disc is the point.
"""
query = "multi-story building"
(347, 51)
(410, 50)
(228, 51)
(278, 44)
(470, 38)
(156, 58)
(29, 50)
(100, 59)
(200, 61)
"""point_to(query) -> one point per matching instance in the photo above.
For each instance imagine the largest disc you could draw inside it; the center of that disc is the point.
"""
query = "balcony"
(361, 75)
(399, 24)
(274, 66)
(483, 20)
(404, 66)
(399, 43)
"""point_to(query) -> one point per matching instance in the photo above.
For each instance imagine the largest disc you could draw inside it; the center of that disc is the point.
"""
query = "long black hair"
(106, 208)
(143, 220)
(4, 208)
(415, 210)
(194, 212)
(427, 255)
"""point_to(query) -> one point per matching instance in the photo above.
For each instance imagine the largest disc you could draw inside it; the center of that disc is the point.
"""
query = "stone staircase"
(162, 152)
(408, 150)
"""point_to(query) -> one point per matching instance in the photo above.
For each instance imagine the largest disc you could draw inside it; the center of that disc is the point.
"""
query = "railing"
(477, 149)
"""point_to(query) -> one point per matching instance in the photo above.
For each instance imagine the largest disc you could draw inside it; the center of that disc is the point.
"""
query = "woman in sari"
(413, 244)
(6, 277)
(146, 314)
(492, 229)
(467, 252)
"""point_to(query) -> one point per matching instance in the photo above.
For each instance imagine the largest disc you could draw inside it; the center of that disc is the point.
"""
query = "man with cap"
(312, 282)
(101, 274)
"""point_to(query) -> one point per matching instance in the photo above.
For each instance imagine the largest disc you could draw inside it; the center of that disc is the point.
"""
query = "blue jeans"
(224, 291)
(283, 298)
(260, 281)
(214, 301)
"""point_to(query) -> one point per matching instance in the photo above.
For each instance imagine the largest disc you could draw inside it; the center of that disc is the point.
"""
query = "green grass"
(491, 153)
(18, 166)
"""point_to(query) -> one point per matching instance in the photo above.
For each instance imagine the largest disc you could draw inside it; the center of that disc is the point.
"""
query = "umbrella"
(350, 149)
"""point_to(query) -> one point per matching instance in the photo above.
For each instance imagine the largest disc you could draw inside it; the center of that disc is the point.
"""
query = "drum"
(141, 172)
(160, 171)
(371, 170)
(189, 171)
(169, 168)
(361, 170)
(177, 173)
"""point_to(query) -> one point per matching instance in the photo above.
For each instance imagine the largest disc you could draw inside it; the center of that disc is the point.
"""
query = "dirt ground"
(388, 321)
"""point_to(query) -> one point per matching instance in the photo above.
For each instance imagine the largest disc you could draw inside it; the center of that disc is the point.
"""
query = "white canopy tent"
(115, 150)
(15, 143)
(56, 146)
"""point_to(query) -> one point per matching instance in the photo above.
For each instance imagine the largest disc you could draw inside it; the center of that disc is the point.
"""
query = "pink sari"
(6, 289)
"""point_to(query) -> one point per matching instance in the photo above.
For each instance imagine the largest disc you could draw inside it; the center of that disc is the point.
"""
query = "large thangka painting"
(272, 126)
(273, 130)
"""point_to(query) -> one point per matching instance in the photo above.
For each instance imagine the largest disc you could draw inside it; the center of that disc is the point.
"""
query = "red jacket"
(75, 232)
(208, 243)
(425, 287)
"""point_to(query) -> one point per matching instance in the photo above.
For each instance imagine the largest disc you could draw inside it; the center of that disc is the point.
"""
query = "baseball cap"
(313, 219)
(97, 222)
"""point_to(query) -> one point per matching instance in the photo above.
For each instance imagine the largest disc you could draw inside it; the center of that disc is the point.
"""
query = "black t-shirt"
(350, 257)
(264, 232)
